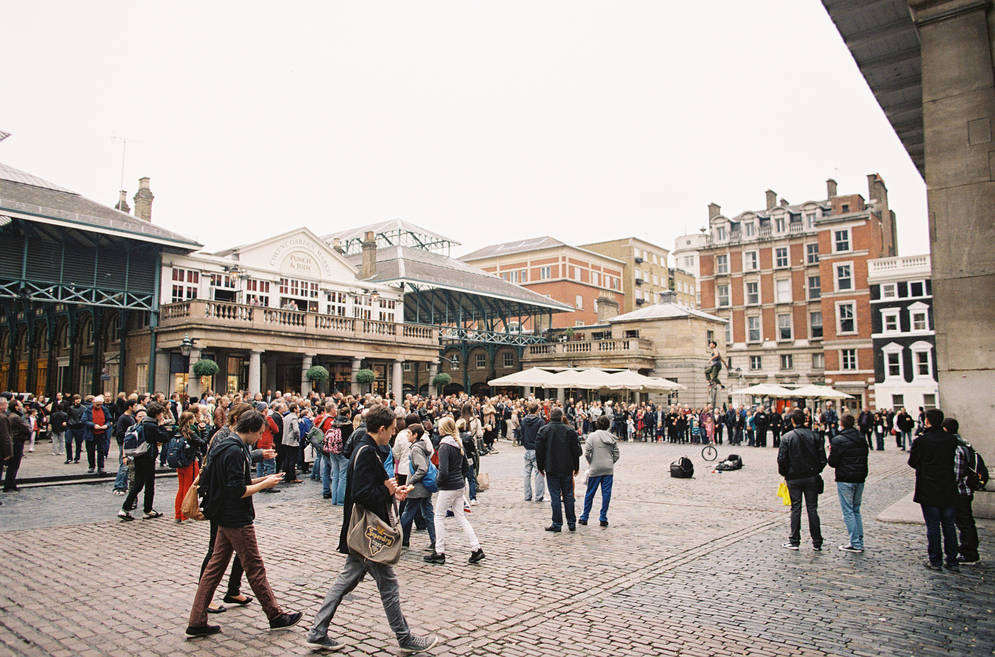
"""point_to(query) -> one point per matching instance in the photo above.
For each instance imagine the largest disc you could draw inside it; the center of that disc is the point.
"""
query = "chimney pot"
(369, 263)
(784, 202)
(830, 188)
(771, 199)
(143, 200)
(714, 210)
(122, 202)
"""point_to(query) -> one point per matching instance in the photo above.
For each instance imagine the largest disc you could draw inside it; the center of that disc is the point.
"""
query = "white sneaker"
(473, 502)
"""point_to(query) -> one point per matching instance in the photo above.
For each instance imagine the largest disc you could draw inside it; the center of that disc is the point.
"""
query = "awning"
(819, 392)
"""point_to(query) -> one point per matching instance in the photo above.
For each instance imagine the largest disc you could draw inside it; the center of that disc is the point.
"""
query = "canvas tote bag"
(372, 538)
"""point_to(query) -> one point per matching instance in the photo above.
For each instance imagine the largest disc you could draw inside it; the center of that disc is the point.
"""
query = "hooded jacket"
(530, 429)
(601, 452)
(848, 455)
(453, 466)
(420, 455)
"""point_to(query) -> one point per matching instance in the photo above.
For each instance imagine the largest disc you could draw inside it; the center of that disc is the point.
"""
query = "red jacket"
(266, 442)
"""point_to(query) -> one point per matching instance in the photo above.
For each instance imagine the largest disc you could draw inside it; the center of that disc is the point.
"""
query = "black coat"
(557, 449)
(848, 455)
(364, 485)
(802, 454)
(932, 456)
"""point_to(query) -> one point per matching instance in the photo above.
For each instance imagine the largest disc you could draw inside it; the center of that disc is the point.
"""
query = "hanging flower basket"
(316, 373)
(365, 377)
(205, 367)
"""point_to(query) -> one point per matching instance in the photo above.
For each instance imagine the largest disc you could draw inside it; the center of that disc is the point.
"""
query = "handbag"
(483, 481)
(190, 506)
(372, 538)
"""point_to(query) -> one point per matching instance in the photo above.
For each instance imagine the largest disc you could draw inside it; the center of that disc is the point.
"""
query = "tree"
(365, 377)
(316, 373)
(441, 380)
(205, 367)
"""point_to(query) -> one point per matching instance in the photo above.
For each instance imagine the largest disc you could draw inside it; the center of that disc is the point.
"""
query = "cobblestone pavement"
(687, 567)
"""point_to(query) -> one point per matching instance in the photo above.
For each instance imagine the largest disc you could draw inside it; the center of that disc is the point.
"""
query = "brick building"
(792, 280)
(569, 274)
(644, 273)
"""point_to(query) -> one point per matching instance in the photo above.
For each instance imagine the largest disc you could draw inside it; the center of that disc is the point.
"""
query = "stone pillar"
(193, 381)
(162, 374)
(958, 96)
(356, 364)
(561, 395)
(433, 371)
(254, 384)
(305, 366)
(397, 381)
(271, 374)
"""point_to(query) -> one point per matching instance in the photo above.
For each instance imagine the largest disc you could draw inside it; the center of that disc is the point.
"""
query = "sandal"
(219, 610)
(235, 601)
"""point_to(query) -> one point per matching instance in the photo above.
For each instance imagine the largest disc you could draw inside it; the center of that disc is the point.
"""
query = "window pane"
(814, 287)
(784, 327)
(782, 288)
(815, 322)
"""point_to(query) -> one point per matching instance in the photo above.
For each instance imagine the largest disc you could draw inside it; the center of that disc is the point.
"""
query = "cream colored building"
(645, 275)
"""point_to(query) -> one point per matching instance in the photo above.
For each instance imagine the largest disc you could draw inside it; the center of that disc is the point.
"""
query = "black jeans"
(938, 518)
(144, 478)
(288, 461)
(235, 578)
(13, 465)
(561, 487)
(964, 519)
(807, 488)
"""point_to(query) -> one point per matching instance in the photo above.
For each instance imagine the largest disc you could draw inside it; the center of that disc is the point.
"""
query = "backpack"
(332, 441)
(682, 468)
(315, 438)
(134, 442)
(977, 471)
(179, 452)
(388, 463)
(431, 479)
(732, 462)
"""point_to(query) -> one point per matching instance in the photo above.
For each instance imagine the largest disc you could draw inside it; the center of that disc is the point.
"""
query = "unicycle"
(709, 453)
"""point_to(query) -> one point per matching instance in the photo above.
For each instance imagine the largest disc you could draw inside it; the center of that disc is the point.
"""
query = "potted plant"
(316, 374)
(205, 367)
(365, 377)
(441, 380)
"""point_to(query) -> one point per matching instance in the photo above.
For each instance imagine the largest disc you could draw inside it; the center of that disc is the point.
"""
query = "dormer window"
(749, 229)
(720, 233)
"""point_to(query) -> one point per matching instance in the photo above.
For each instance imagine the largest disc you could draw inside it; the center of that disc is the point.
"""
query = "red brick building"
(792, 280)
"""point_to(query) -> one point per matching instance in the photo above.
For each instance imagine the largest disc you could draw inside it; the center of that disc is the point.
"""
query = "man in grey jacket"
(601, 452)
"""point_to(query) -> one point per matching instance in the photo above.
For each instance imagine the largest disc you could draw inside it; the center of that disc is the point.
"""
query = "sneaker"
(324, 643)
(850, 548)
(817, 548)
(418, 644)
(197, 631)
(405, 544)
(101, 472)
(285, 621)
(952, 567)
(151, 514)
(789, 546)
(466, 508)
(473, 502)
(527, 499)
(572, 528)
(553, 528)
(67, 461)
(539, 500)
(124, 515)
(969, 562)
(477, 556)
(327, 496)
(932, 566)
(582, 521)
(89, 470)
(604, 523)
(430, 548)
(435, 557)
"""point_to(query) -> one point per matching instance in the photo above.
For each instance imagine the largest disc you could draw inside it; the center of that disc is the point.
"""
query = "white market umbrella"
(589, 379)
(766, 390)
(532, 378)
(667, 384)
(629, 380)
(819, 392)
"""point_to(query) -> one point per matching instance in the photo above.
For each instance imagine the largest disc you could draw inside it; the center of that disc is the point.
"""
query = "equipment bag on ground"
(682, 468)
(732, 462)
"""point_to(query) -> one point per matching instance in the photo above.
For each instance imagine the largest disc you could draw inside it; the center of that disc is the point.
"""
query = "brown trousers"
(242, 541)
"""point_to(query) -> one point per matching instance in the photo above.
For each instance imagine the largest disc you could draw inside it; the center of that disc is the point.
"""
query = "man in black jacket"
(558, 458)
(775, 427)
(932, 456)
(152, 434)
(368, 485)
(20, 432)
(229, 490)
(800, 459)
(6, 444)
(904, 425)
(75, 431)
(848, 455)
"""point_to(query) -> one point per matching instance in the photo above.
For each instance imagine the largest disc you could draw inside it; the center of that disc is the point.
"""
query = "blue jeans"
(121, 481)
(316, 469)
(906, 439)
(936, 518)
(605, 482)
(340, 465)
(412, 507)
(266, 467)
(850, 495)
(561, 486)
(471, 478)
(532, 471)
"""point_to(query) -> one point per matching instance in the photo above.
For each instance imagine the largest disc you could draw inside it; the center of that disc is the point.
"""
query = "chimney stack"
(369, 266)
(713, 210)
(122, 203)
(607, 308)
(831, 188)
(784, 202)
(143, 200)
(771, 199)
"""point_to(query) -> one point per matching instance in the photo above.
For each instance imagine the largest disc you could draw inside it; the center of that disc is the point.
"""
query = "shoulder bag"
(369, 536)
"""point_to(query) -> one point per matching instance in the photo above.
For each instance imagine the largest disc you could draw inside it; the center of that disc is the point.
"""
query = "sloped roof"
(388, 226)
(35, 199)
(518, 246)
(665, 310)
(407, 264)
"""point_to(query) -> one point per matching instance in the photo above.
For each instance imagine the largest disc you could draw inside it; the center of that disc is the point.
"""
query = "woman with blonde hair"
(453, 469)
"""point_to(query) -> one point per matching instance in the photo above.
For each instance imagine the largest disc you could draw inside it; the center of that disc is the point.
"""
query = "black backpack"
(732, 462)
(682, 468)
(977, 471)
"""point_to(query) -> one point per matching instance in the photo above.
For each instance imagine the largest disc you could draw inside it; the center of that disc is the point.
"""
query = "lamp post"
(187, 345)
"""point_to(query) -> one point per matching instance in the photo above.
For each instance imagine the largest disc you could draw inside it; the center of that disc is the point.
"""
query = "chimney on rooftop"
(607, 308)
(713, 210)
(143, 200)
(122, 203)
(369, 266)
(830, 188)
(784, 202)
(771, 199)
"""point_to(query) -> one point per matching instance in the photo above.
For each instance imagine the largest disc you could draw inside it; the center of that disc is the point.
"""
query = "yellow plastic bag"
(782, 492)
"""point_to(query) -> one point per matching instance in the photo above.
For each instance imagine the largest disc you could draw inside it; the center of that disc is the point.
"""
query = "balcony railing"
(573, 348)
(224, 315)
(917, 264)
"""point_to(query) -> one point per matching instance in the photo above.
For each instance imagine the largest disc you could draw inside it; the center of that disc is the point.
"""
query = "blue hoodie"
(530, 429)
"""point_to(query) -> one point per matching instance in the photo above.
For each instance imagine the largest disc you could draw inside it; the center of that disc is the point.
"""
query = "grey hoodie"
(601, 452)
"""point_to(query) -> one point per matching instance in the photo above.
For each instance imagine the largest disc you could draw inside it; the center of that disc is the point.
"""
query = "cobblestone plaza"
(687, 567)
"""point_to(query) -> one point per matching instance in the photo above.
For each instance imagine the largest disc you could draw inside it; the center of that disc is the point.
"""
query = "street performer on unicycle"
(715, 366)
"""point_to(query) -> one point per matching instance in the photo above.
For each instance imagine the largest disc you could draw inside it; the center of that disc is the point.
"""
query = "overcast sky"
(486, 122)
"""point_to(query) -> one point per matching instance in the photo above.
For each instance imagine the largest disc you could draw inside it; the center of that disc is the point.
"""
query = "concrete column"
(162, 375)
(356, 364)
(305, 366)
(271, 373)
(255, 374)
(958, 97)
(561, 395)
(193, 381)
(433, 370)
(397, 381)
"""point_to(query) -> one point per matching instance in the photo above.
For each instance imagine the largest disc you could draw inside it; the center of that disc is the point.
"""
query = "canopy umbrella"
(589, 379)
(819, 392)
(629, 380)
(532, 378)
(766, 390)
(670, 385)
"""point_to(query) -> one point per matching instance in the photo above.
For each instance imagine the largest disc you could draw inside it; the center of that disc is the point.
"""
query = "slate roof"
(389, 226)
(35, 199)
(524, 246)
(408, 264)
(665, 310)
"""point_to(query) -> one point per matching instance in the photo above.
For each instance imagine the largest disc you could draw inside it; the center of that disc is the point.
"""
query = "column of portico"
(433, 370)
(305, 366)
(255, 375)
(397, 382)
(162, 374)
(193, 381)
(356, 364)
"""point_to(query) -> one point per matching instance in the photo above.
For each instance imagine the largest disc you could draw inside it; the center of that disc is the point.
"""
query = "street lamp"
(187, 345)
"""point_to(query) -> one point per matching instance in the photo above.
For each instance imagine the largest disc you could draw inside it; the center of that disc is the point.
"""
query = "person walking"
(453, 471)
(932, 456)
(368, 486)
(558, 459)
(530, 425)
(965, 460)
(197, 448)
(848, 456)
(904, 424)
(230, 487)
(290, 442)
(601, 453)
(124, 422)
(6, 443)
(800, 460)
(152, 434)
(20, 432)
(419, 499)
